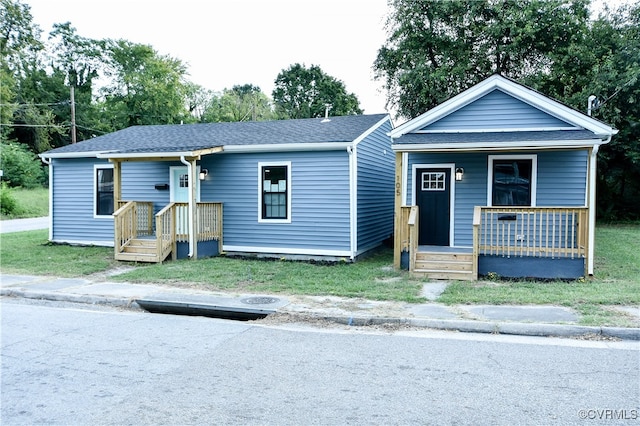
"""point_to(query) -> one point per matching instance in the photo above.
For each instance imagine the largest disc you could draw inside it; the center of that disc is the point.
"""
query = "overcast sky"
(229, 42)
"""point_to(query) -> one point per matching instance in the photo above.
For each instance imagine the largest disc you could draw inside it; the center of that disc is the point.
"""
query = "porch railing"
(135, 219)
(166, 231)
(208, 225)
(144, 216)
(553, 232)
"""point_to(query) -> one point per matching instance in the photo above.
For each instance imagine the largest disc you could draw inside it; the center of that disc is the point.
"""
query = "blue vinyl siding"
(497, 111)
(139, 180)
(376, 178)
(561, 182)
(73, 203)
(319, 200)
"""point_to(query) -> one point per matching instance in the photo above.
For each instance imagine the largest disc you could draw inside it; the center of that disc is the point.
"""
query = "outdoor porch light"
(459, 173)
(203, 174)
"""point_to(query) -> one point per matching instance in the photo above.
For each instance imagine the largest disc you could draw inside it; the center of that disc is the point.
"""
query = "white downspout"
(48, 162)
(191, 206)
(592, 205)
(353, 201)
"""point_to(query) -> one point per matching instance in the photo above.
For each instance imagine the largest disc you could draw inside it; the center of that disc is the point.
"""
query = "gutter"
(353, 199)
(191, 205)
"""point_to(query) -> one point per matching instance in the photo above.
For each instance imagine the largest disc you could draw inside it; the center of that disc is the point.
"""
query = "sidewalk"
(517, 320)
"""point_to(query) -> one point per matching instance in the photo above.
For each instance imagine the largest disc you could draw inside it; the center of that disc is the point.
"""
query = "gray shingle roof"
(193, 137)
(499, 137)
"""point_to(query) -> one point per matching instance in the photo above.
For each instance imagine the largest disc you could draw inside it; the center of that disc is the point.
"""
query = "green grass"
(30, 253)
(372, 278)
(30, 203)
(616, 281)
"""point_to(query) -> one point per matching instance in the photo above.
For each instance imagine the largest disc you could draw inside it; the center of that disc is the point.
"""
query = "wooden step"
(444, 265)
(443, 275)
(137, 257)
(464, 257)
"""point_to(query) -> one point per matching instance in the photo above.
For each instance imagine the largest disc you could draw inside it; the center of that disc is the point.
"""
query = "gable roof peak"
(511, 88)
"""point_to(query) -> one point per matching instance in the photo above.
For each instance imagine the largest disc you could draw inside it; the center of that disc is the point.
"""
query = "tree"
(240, 103)
(145, 87)
(436, 49)
(302, 92)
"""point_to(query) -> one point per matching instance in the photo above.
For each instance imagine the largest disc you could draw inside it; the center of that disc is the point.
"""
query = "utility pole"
(73, 116)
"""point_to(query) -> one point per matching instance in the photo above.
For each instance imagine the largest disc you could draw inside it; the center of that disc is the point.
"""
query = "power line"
(45, 104)
(32, 125)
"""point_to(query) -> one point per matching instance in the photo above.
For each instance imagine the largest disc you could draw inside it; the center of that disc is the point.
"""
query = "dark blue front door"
(433, 198)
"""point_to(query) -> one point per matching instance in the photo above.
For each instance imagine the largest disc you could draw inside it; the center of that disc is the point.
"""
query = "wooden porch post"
(117, 182)
(397, 243)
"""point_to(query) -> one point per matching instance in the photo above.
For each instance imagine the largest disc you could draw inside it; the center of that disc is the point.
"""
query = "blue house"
(498, 179)
(308, 188)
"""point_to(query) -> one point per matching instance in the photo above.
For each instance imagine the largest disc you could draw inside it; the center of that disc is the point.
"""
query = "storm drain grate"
(259, 300)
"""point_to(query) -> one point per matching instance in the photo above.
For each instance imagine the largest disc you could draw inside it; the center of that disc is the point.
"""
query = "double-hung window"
(512, 180)
(275, 192)
(103, 191)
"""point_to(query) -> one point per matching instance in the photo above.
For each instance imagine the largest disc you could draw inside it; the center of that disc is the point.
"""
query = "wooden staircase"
(444, 266)
(140, 250)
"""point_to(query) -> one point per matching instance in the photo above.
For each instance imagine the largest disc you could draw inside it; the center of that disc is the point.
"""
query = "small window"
(275, 192)
(433, 181)
(512, 179)
(184, 181)
(104, 201)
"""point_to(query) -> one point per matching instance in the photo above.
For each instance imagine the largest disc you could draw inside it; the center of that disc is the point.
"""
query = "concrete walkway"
(19, 225)
(519, 320)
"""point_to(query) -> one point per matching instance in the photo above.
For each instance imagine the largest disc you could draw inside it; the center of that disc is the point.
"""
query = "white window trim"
(534, 175)
(262, 164)
(97, 167)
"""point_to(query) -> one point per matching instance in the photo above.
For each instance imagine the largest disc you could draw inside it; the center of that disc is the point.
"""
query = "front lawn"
(616, 281)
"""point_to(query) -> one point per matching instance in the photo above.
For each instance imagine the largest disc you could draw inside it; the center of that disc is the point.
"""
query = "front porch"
(540, 242)
(141, 236)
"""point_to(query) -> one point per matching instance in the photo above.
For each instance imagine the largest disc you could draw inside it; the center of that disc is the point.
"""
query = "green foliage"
(8, 203)
(28, 202)
(302, 92)
(20, 166)
(144, 86)
(437, 49)
(240, 103)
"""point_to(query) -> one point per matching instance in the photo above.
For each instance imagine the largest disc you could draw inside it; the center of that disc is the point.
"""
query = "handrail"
(125, 225)
(165, 232)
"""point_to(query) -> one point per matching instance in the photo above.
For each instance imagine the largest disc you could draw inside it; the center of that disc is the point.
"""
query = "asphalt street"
(78, 366)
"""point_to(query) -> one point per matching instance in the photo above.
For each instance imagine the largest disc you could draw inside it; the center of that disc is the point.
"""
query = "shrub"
(8, 203)
(20, 166)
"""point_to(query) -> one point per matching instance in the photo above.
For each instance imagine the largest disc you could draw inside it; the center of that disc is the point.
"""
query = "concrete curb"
(488, 327)
(465, 326)
(117, 302)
